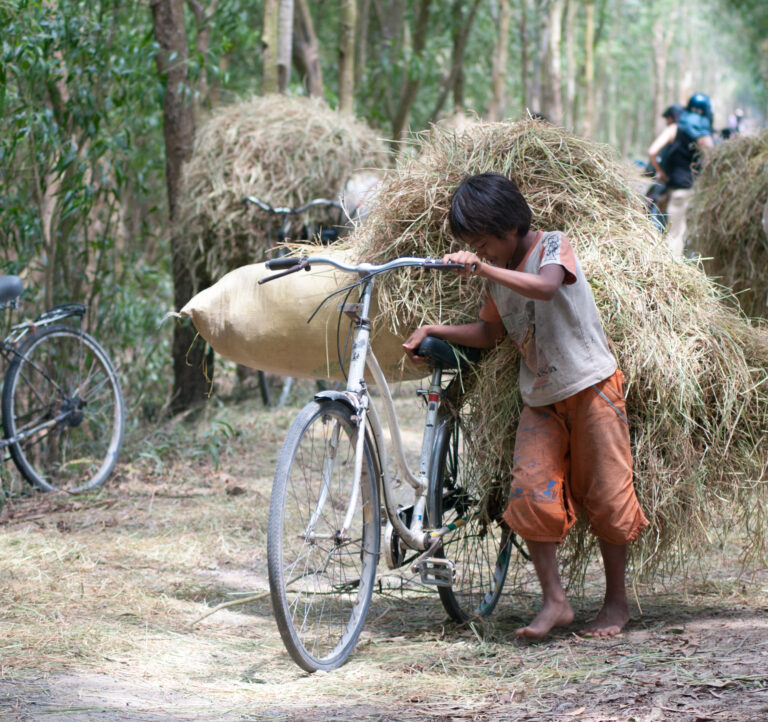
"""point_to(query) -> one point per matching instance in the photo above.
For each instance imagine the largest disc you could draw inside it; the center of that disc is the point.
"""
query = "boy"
(572, 442)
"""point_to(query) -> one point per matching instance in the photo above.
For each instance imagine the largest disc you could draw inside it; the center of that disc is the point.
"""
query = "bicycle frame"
(356, 395)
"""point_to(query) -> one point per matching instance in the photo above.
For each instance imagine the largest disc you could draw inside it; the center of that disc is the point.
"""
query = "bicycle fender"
(333, 395)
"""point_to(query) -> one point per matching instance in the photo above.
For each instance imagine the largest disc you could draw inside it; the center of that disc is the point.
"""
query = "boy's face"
(496, 251)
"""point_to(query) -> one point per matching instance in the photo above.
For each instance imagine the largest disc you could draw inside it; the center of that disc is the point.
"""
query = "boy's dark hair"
(488, 204)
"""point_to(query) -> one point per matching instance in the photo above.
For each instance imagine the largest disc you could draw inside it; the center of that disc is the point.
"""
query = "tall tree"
(662, 37)
(361, 38)
(413, 81)
(284, 43)
(587, 120)
(524, 56)
(551, 91)
(347, 56)
(269, 40)
(189, 383)
(306, 50)
(571, 26)
(499, 67)
(454, 81)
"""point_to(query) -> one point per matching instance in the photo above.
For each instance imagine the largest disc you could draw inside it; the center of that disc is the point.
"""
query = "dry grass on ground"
(100, 596)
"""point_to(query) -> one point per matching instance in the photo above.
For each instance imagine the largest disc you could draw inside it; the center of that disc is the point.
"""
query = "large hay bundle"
(696, 370)
(725, 218)
(284, 150)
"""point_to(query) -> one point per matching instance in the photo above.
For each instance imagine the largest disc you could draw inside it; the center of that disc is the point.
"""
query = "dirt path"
(100, 598)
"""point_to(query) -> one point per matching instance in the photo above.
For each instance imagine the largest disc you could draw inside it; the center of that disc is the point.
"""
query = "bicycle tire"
(481, 548)
(321, 605)
(61, 371)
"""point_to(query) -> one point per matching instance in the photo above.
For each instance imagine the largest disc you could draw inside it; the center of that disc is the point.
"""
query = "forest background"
(99, 101)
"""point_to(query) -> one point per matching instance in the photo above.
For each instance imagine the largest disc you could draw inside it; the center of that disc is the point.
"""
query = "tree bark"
(202, 46)
(306, 50)
(361, 38)
(269, 35)
(412, 84)
(524, 54)
(284, 43)
(455, 79)
(661, 41)
(588, 120)
(499, 67)
(347, 56)
(189, 383)
(551, 92)
(570, 113)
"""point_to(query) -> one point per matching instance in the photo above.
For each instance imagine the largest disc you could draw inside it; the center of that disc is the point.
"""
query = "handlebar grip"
(279, 264)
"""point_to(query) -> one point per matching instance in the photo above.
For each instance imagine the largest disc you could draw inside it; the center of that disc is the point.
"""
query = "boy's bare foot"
(552, 614)
(609, 621)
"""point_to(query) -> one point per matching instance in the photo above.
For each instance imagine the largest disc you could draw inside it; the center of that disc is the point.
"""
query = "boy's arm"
(541, 286)
(480, 334)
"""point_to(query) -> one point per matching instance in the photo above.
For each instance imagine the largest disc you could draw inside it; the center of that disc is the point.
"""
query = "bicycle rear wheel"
(480, 549)
(63, 403)
(321, 580)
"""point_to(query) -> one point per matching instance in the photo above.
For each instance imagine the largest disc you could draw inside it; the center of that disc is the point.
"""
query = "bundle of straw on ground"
(285, 151)
(725, 218)
(695, 368)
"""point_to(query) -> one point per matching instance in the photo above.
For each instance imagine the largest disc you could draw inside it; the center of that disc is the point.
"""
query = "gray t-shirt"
(564, 349)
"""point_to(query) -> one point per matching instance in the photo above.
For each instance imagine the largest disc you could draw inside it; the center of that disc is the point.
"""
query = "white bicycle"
(324, 534)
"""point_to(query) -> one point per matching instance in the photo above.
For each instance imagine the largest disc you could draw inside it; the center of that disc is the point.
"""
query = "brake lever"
(303, 264)
(439, 266)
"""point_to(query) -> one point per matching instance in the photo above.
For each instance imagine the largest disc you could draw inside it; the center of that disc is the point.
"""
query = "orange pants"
(575, 453)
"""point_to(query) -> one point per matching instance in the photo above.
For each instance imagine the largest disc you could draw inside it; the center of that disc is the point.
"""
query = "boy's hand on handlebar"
(413, 342)
(469, 260)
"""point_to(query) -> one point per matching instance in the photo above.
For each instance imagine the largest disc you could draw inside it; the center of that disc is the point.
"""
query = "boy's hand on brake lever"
(469, 260)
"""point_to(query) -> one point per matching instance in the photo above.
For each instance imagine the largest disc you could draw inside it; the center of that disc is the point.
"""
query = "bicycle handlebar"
(291, 265)
(285, 211)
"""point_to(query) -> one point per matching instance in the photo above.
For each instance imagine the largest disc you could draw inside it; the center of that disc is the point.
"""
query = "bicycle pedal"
(438, 572)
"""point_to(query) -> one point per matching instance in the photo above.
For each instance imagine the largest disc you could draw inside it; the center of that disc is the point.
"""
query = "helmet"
(701, 104)
(673, 112)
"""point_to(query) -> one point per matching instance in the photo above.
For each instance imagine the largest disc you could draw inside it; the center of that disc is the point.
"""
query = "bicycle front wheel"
(63, 407)
(480, 546)
(321, 575)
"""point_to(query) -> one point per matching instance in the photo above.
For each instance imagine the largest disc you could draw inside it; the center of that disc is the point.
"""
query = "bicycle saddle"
(448, 356)
(10, 288)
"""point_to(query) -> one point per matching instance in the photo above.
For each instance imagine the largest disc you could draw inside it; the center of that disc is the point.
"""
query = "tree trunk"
(455, 79)
(189, 383)
(411, 87)
(551, 96)
(391, 20)
(202, 46)
(588, 120)
(499, 68)
(306, 50)
(661, 41)
(570, 112)
(347, 56)
(284, 43)
(361, 38)
(524, 54)
(269, 40)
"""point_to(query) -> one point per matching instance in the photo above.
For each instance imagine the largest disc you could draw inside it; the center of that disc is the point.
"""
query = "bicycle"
(324, 530)
(62, 406)
(326, 234)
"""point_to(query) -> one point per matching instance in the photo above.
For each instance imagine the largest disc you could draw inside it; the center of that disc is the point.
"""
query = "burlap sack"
(265, 327)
